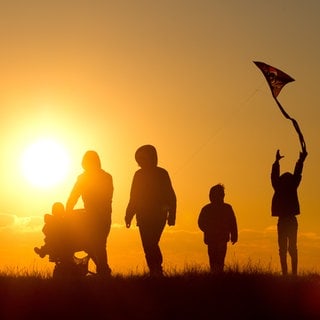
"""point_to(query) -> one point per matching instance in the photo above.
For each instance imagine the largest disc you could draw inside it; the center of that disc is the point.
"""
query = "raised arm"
(275, 173)
(73, 197)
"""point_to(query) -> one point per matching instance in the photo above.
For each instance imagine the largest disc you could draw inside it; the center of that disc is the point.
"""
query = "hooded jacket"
(95, 186)
(285, 201)
(152, 197)
(218, 222)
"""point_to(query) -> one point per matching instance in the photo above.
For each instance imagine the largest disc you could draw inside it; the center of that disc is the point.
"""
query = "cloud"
(33, 223)
(13, 223)
(310, 236)
(180, 247)
(7, 220)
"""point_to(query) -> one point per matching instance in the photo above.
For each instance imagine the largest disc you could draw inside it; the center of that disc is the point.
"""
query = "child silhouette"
(285, 206)
(54, 231)
(218, 223)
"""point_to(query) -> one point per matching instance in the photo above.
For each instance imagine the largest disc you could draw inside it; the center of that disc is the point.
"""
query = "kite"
(277, 79)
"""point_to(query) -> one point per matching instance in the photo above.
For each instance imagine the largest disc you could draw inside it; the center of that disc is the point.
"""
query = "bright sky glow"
(45, 163)
(111, 76)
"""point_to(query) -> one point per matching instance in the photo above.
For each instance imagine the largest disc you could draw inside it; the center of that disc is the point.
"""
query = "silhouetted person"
(285, 206)
(153, 201)
(218, 223)
(55, 233)
(95, 186)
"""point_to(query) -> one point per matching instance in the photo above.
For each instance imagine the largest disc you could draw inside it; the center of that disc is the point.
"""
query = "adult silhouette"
(285, 206)
(218, 223)
(95, 186)
(153, 202)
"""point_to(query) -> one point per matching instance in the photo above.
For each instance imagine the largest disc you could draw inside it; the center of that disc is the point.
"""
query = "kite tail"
(302, 142)
(281, 109)
(295, 124)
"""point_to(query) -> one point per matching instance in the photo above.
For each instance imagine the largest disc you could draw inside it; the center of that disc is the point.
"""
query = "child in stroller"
(63, 238)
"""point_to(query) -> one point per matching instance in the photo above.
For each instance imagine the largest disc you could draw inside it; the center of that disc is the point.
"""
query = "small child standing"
(285, 205)
(53, 230)
(218, 223)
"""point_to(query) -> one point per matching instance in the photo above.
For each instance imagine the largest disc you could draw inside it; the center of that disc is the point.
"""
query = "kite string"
(206, 142)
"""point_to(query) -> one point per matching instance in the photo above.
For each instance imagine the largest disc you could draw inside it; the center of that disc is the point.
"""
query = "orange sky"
(113, 75)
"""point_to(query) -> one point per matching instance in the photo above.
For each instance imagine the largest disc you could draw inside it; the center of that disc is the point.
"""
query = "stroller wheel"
(65, 270)
(76, 268)
(59, 271)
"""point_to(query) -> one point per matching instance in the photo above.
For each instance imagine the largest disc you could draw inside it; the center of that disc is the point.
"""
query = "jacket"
(218, 222)
(285, 198)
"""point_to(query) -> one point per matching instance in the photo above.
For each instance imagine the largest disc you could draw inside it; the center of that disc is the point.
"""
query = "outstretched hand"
(278, 156)
(303, 155)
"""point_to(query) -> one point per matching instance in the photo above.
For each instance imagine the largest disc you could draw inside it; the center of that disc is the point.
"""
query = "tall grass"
(250, 291)
(25, 272)
(253, 268)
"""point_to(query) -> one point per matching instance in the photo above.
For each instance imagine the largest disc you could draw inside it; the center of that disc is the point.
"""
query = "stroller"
(71, 268)
(65, 236)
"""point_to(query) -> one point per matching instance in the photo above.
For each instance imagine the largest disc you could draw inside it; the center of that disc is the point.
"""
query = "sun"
(45, 163)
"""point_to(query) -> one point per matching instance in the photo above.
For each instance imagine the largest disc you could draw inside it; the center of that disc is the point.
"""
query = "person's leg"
(98, 250)
(283, 245)
(101, 260)
(150, 234)
(217, 253)
(220, 256)
(211, 254)
(292, 249)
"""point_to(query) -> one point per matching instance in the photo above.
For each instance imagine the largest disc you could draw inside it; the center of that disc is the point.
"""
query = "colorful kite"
(276, 80)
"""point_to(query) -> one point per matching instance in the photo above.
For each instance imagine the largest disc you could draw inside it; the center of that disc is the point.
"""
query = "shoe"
(39, 252)
(105, 274)
(158, 273)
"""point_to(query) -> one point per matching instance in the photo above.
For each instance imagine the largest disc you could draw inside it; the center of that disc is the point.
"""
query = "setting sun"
(45, 163)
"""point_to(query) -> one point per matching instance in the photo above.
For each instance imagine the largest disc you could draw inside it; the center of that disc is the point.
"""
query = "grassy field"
(193, 294)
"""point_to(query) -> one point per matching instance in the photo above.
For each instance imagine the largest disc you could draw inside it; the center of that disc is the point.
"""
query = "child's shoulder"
(207, 207)
(48, 218)
(227, 204)
(217, 206)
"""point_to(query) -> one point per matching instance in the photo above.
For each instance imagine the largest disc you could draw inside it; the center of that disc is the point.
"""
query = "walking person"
(218, 223)
(95, 186)
(153, 202)
(285, 206)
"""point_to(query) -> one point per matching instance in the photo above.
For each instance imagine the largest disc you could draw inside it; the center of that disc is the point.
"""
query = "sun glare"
(45, 163)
